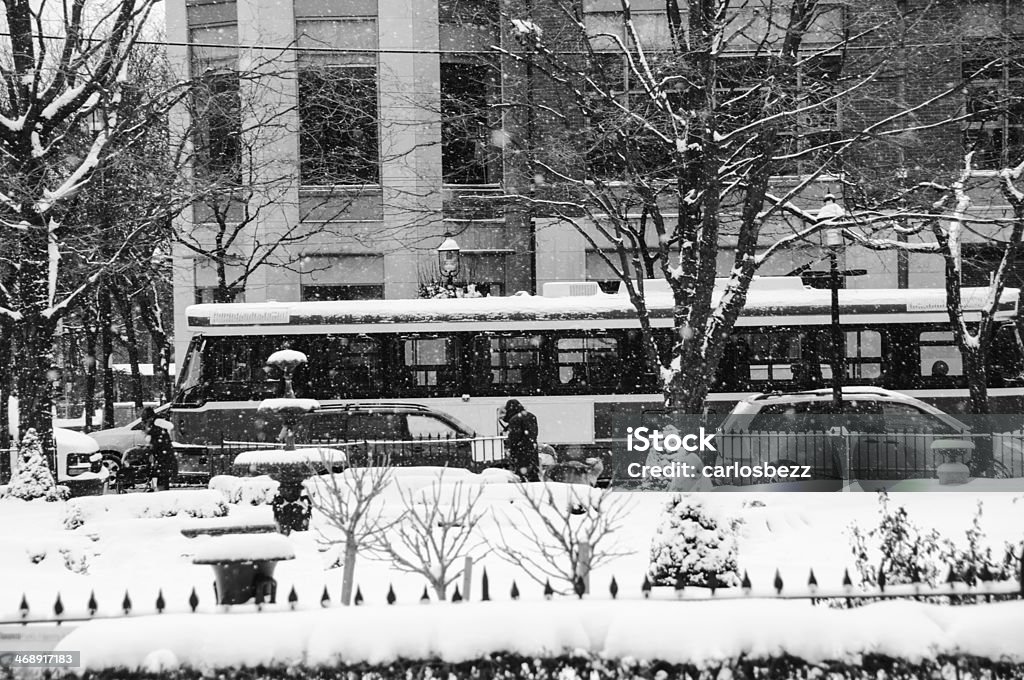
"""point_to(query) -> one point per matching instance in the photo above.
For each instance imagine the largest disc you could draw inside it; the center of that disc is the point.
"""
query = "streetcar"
(574, 355)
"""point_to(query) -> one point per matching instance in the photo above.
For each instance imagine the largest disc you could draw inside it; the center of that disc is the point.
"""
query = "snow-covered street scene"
(544, 339)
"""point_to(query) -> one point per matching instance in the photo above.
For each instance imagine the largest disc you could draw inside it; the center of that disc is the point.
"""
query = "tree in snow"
(64, 85)
(693, 544)
(351, 506)
(437, 531)
(33, 479)
(569, 529)
(663, 130)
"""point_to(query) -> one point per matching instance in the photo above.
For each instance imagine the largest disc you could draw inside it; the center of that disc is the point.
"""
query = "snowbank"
(307, 456)
(716, 632)
(245, 490)
(194, 503)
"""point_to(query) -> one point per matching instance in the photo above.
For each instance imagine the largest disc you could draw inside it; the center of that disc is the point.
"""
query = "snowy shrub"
(245, 490)
(33, 478)
(193, 503)
(908, 554)
(76, 560)
(36, 553)
(692, 544)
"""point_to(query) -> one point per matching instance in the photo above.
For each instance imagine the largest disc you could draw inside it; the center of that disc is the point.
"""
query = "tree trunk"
(90, 377)
(348, 572)
(124, 308)
(439, 590)
(35, 404)
(6, 340)
(106, 355)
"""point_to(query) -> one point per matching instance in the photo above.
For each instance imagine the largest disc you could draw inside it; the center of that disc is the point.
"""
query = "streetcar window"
(343, 367)
(429, 361)
(863, 354)
(591, 361)
(938, 355)
(515, 360)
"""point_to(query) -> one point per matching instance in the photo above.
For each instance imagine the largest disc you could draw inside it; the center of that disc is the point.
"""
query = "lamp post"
(449, 259)
(828, 213)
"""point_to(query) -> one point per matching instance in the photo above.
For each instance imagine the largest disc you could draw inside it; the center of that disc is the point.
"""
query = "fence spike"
(812, 581)
(126, 603)
(92, 603)
(777, 582)
(391, 594)
(485, 587)
(160, 603)
(58, 606)
(881, 578)
(23, 607)
(359, 596)
(579, 586)
(293, 598)
(456, 596)
(515, 591)
(847, 581)
(193, 599)
(548, 590)
(325, 598)
(614, 588)
(745, 584)
(425, 597)
(952, 576)
(646, 587)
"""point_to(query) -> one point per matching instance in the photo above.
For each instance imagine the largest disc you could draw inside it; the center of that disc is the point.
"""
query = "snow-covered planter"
(245, 490)
(244, 565)
(191, 503)
(693, 545)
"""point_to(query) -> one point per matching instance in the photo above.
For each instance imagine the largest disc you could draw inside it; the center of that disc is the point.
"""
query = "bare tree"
(662, 147)
(436, 533)
(62, 68)
(551, 524)
(351, 504)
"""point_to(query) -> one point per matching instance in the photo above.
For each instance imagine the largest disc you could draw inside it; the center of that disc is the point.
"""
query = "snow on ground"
(120, 547)
(639, 629)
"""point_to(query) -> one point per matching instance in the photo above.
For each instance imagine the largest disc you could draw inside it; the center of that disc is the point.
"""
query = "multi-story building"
(387, 132)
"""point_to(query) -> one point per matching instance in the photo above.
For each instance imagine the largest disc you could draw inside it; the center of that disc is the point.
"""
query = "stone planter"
(243, 566)
(953, 452)
(953, 473)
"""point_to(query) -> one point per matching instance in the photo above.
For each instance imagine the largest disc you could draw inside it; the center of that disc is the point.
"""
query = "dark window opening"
(338, 138)
(469, 154)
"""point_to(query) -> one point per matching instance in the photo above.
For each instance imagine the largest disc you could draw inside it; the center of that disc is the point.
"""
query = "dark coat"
(162, 451)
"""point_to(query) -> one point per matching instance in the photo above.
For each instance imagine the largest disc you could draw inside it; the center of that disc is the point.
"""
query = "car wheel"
(112, 461)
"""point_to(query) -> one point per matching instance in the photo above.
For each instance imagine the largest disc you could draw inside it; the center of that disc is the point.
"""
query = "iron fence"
(868, 455)
(473, 454)
(968, 587)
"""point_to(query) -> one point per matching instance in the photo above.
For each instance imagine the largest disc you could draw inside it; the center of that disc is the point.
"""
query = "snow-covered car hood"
(70, 441)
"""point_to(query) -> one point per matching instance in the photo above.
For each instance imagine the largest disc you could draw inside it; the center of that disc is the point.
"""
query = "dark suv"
(407, 434)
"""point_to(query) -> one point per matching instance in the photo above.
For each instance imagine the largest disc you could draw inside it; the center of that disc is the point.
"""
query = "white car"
(74, 450)
(114, 442)
(879, 434)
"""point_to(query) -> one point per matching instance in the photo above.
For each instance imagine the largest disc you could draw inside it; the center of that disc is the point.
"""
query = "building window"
(469, 92)
(207, 294)
(218, 127)
(994, 129)
(339, 141)
(342, 277)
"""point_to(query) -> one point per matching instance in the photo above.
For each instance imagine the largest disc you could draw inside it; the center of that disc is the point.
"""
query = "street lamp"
(828, 213)
(449, 259)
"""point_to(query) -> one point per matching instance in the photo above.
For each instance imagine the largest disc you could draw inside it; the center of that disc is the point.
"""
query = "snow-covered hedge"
(699, 634)
(245, 490)
(193, 503)
(584, 666)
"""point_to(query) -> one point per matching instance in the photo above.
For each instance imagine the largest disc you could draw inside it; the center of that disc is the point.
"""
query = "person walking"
(522, 440)
(161, 452)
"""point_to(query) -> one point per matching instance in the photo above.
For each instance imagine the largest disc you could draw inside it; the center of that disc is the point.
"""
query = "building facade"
(380, 128)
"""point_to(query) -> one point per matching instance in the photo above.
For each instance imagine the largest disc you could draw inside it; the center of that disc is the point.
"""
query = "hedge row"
(585, 667)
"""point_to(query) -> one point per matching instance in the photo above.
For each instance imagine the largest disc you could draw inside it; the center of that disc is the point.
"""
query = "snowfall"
(109, 545)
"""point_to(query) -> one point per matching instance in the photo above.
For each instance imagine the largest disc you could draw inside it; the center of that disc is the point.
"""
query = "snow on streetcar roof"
(795, 302)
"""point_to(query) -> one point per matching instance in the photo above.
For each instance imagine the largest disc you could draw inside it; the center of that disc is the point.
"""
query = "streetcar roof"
(770, 305)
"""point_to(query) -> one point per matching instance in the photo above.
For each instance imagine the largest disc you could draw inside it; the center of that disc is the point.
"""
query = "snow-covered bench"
(228, 529)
